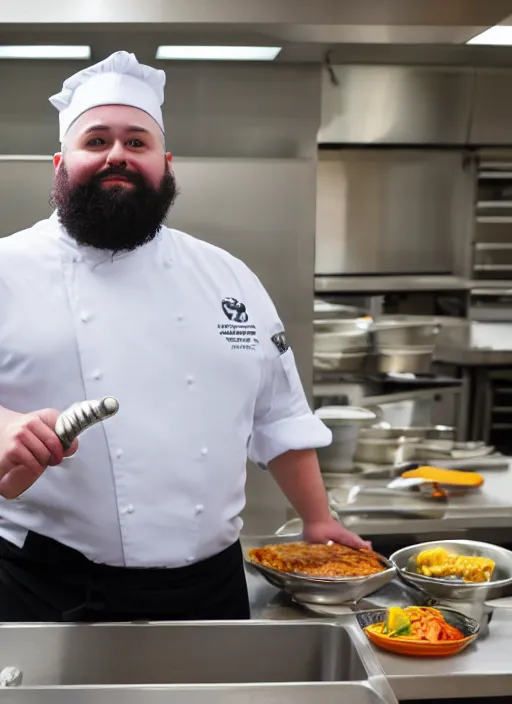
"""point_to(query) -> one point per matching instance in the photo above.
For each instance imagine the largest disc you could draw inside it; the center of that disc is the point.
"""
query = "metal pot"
(413, 412)
(344, 423)
(440, 432)
(386, 431)
(325, 310)
(350, 335)
(390, 452)
(380, 432)
(415, 360)
(353, 362)
(404, 331)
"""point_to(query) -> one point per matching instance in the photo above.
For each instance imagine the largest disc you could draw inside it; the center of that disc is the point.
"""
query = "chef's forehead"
(116, 118)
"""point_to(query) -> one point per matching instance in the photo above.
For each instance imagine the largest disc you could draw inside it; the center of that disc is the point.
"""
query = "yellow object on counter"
(438, 562)
(445, 476)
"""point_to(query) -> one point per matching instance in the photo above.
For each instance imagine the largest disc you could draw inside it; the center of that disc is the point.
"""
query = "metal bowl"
(314, 590)
(449, 589)
(399, 331)
(430, 433)
(381, 432)
(386, 451)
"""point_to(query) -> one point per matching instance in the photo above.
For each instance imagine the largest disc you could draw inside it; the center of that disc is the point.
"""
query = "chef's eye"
(96, 142)
(135, 143)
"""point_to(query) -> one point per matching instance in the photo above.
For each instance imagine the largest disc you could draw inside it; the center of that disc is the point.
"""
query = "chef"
(140, 518)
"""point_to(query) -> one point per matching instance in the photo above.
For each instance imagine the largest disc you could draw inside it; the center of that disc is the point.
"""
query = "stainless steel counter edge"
(377, 284)
(382, 283)
(473, 357)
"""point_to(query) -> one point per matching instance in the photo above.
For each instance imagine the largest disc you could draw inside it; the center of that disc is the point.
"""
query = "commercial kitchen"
(363, 170)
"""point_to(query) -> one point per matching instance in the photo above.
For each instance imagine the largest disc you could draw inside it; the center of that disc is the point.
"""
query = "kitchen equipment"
(314, 590)
(384, 430)
(201, 662)
(344, 422)
(325, 310)
(348, 362)
(383, 502)
(440, 432)
(452, 590)
(385, 451)
(10, 677)
(436, 483)
(492, 240)
(349, 335)
(82, 415)
(468, 626)
(453, 332)
(447, 449)
(405, 413)
(402, 360)
(402, 332)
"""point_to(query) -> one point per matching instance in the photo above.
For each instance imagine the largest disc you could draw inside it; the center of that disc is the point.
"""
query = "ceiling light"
(45, 52)
(498, 36)
(218, 53)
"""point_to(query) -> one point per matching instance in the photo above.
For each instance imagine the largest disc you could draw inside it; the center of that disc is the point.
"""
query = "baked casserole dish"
(318, 560)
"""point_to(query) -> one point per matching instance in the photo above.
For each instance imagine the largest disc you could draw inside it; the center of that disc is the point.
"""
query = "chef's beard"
(113, 218)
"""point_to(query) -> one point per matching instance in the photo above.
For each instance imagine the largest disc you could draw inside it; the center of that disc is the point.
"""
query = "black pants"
(49, 582)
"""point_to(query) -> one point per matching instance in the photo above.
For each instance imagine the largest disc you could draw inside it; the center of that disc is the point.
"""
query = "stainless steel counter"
(487, 508)
(483, 670)
(474, 357)
(378, 284)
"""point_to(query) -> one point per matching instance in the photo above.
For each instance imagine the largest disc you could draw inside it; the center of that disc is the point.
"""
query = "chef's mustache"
(133, 177)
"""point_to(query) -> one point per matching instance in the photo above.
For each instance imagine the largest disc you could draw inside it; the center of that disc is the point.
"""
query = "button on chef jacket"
(181, 333)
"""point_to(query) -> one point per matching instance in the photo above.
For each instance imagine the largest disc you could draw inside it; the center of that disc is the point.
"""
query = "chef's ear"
(168, 156)
(57, 158)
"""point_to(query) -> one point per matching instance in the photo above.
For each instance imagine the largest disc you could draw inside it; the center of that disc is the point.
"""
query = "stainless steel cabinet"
(396, 105)
(491, 119)
(391, 211)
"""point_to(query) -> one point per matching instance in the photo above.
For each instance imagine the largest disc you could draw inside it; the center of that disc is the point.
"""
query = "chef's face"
(113, 183)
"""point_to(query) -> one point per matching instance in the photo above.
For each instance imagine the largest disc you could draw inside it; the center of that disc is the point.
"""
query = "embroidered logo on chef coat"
(234, 310)
(239, 334)
(280, 342)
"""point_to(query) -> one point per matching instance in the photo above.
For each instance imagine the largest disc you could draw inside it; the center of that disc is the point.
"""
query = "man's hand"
(332, 530)
(298, 474)
(28, 445)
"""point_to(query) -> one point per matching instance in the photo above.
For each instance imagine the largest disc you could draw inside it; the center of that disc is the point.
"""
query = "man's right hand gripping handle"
(28, 445)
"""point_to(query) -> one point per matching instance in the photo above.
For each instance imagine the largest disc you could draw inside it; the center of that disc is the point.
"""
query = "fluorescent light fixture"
(218, 53)
(499, 35)
(44, 52)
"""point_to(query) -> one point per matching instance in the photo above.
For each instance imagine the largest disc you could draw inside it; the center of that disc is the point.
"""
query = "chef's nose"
(117, 155)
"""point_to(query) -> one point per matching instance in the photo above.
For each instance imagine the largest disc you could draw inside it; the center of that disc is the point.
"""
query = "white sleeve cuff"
(300, 433)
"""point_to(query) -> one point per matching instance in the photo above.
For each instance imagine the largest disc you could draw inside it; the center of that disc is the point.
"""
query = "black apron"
(45, 581)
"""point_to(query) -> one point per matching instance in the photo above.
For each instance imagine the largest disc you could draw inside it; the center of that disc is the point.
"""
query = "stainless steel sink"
(228, 662)
(348, 693)
(120, 654)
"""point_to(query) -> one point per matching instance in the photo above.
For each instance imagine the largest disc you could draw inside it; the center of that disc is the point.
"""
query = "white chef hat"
(118, 80)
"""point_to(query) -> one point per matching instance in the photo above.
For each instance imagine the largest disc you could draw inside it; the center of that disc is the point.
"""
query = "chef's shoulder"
(227, 268)
(22, 247)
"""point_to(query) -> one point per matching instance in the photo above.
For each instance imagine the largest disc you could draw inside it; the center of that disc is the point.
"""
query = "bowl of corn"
(456, 569)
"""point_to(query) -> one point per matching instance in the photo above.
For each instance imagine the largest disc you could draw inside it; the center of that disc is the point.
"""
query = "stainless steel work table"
(483, 670)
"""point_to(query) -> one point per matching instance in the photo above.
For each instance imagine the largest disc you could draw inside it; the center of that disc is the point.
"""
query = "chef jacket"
(186, 338)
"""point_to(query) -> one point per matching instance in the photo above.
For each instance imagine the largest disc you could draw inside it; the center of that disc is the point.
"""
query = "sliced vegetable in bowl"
(419, 630)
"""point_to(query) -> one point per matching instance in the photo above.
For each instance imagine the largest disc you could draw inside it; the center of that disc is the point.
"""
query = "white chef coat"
(162, 483)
